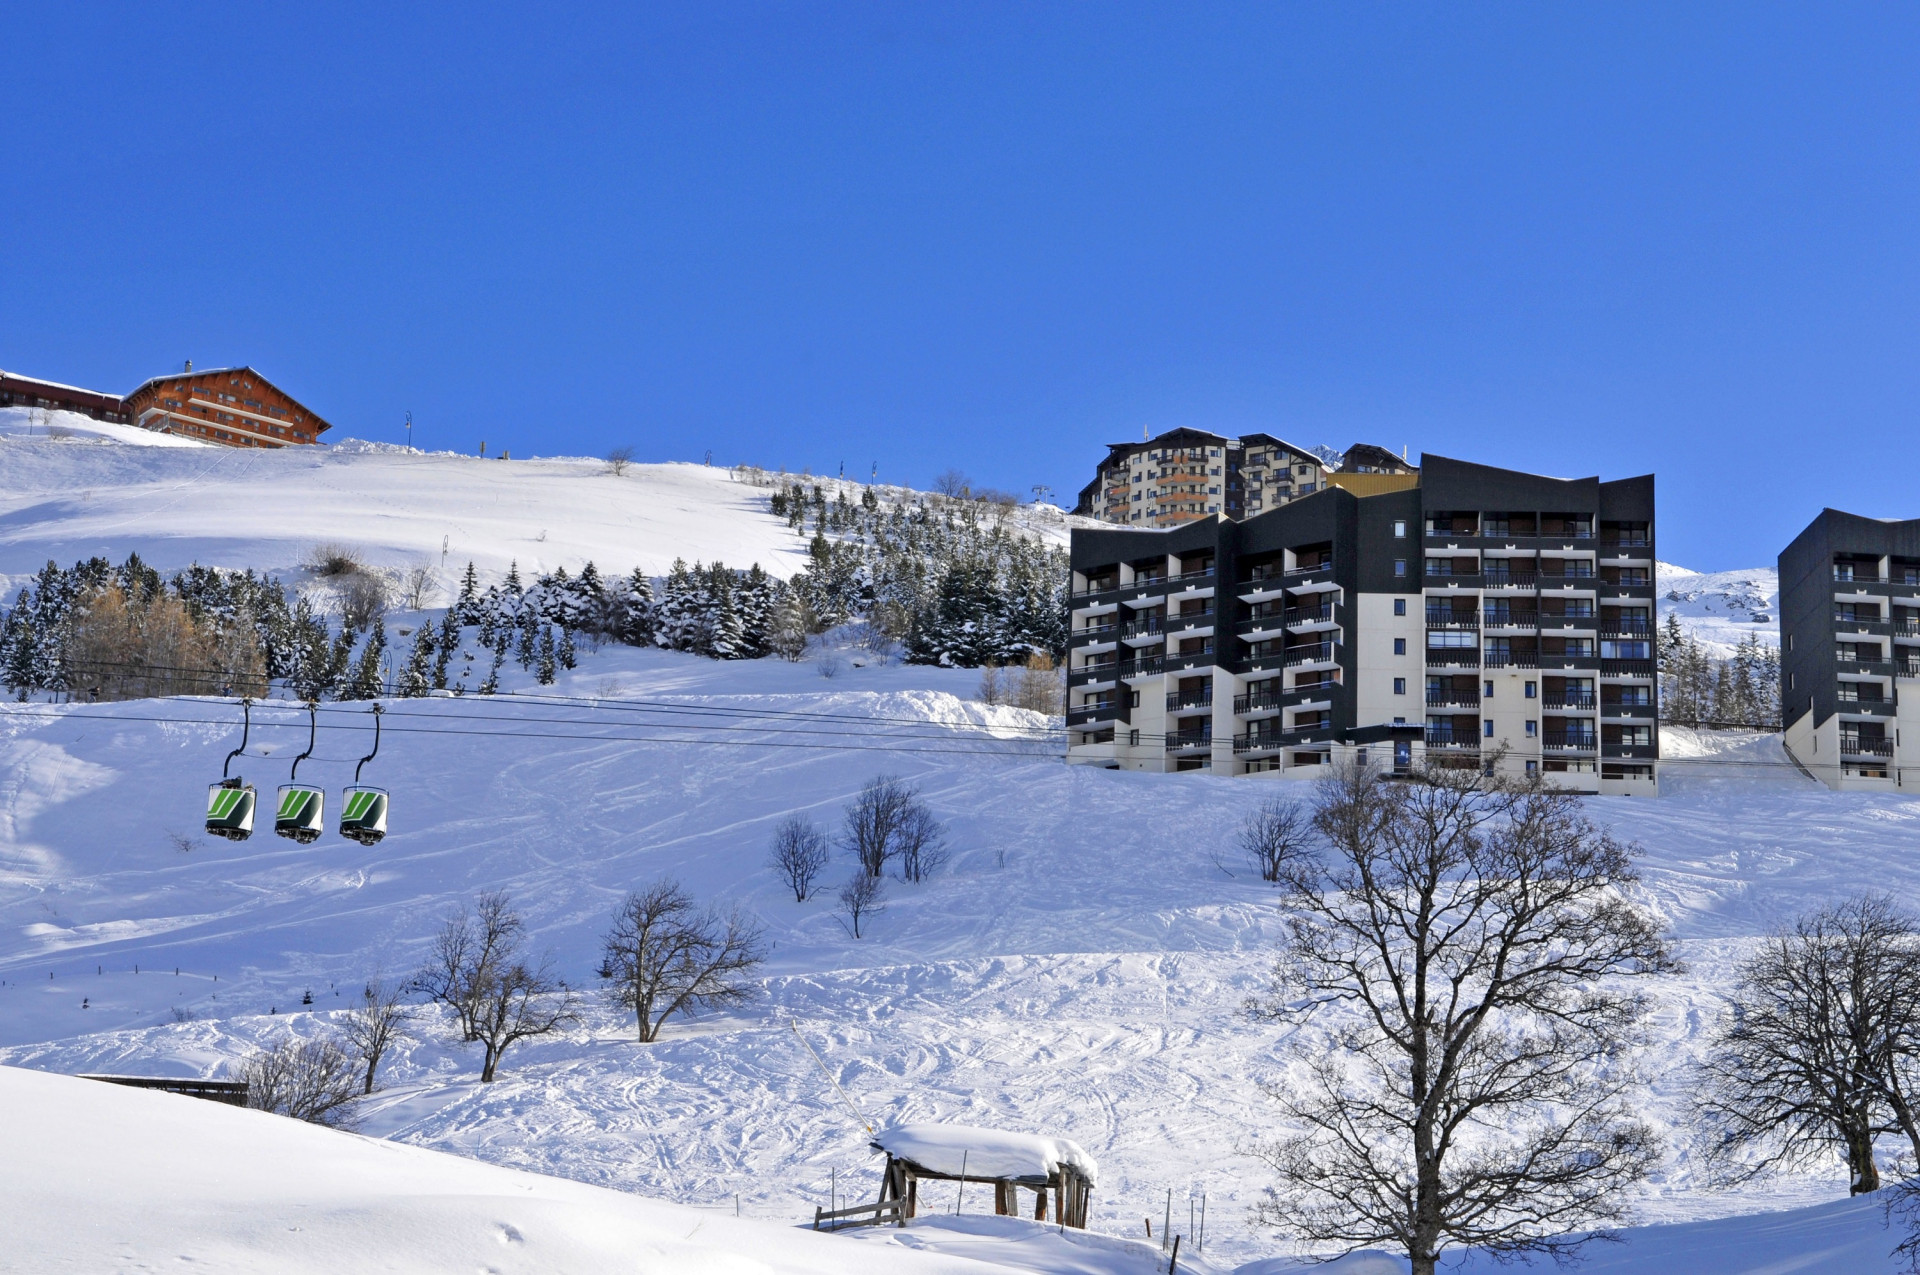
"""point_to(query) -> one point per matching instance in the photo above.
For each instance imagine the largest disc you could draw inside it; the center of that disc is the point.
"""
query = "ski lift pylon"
(230, 803)
(363, 808)
(302, 811)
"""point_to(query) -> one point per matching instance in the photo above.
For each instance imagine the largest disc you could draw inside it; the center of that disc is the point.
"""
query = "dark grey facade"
(1470, 609)
(1849, 636)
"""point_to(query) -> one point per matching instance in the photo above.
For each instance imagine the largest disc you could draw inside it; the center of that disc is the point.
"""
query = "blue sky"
(1567, 238)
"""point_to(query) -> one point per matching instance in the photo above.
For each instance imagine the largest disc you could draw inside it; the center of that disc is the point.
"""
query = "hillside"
(1080, 967)
(1721, 609)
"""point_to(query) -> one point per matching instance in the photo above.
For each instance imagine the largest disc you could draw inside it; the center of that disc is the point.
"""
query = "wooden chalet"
(28, 391)
(235, 406)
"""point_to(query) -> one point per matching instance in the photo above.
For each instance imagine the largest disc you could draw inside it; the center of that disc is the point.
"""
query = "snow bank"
(992, 1153)
(99, 1177)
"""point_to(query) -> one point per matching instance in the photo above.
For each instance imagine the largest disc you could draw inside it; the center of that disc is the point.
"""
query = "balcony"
(1519, 659)
(1570, 703)
(1146, 666)
(1848, 695)
(1458, 741)
(1301, 617)
(1143, 628)
(1453, 699)
(1264, 740)
(1095, 630)
(1626, 629)
(1191, 699)
(1452, 620)
(1846, 575)
(1188, 579)
(1091, 714)
(1094, 674)
(1188, 619)
(1105, 585)
(1626, 668)
(1569, 582)
(1854, 746)
(1318, 653)
(1907, 668)
(1264, 703)
(1181, 741)
(1512, 580)
(1312, 569)
(1626, 541)
(1451, 580)
(1452, 657)
(1511, 620)
(1560, 741)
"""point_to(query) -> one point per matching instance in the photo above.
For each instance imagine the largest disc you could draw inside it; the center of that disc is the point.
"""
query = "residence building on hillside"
(1850, 638)
(1443, 614)
(232, 406)
(28, 391)
(1187, 474)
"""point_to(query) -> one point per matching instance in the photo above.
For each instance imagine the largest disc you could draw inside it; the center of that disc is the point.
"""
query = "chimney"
(189, 365)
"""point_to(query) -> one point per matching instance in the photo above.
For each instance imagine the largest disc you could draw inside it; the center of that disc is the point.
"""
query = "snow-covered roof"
(988, 1153)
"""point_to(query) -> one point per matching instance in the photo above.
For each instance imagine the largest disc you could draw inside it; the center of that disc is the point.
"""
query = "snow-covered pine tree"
(526, 651)
(632, 606)
(467, 605)
(565, 653)
(363, 682)
(544, 671)
(417, 680)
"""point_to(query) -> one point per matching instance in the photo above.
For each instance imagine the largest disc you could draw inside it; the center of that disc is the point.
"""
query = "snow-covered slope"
(1079, 970)
(1721, 609)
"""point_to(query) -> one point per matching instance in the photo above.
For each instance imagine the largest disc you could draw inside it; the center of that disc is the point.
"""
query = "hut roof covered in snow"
(988, 1153)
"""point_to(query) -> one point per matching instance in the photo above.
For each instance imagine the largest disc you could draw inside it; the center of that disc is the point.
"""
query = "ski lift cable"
(246, 728)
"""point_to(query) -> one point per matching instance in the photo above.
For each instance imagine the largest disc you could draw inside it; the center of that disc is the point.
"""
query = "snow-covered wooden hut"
(1009, 1162)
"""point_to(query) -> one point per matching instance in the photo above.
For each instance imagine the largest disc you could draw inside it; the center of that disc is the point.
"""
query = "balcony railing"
(1244, 704)
(1452, 620)
(1453, 699)
(1511, 619)
(1096, 586)
(1626, 540)
(1307, 615)
(1444, 738)
(1188, 619)
(1309, 570)
(1848, 696)
(1180, 740)
(1626, 668)
(1191, 699)
(1560, 741)
(1143, 628)
(1095, 630)
(1521, 659)
(1843, 575)
(1854, 746)
(1511, 580)
(1147, 666)
(1452, 657)
(1575, 703)
(1191, 577)
(1315, 654)
(1626, 629)
(1090, 713)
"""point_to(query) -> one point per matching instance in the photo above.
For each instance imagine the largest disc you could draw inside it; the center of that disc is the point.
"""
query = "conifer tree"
(545, 672)
(449, 643)
(418, 678)
(467, 605)
(566, 653)
(364, 681)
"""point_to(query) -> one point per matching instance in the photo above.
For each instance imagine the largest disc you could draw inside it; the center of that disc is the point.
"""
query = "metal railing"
(1141, 628)
(1576, 703)
(1511, 619)
(1569, 741)
(1307, 571)
(1146, 666)
(1452, 620)
(1855, 697)
(1314, 654)
(1442, 738)
(1510, 660)
(1854, 746)
(1626, 668)
(1511, 580)
(1307, 615)
(1180, 740)
(1453, 699)
(1191, 577)
(1190, 699)
(1093, 630)
(1265, 703)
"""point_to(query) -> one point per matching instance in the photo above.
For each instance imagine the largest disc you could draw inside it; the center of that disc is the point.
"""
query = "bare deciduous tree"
(862, 898)
(665, 956)
(618, 459)
(800, 853)
(1472, 942)
(919, 844)
(312, 1080)
(1818, 1053)
(1275, 837)
(375, 1023)
(479, 972)
(951, 482)
(122, 647)
(873, 822)
(363, 598)
(421, 580)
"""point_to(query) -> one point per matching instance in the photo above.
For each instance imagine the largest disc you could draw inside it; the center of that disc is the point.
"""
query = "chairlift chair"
(363, 808)
(302, 811)
(230, 803)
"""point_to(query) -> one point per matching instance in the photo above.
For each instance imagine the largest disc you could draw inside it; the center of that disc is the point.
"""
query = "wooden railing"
(886, 1212)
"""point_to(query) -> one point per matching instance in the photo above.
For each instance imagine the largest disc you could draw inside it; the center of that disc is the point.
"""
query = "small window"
(1399, 721)
(1533, 728)
(1399, 531)
(1399, 686)
(1487, 729)
(1487, 690)
(1533, 767)
(1133, 739)
(1133, 699)
(1399, 646)
(1530, 689)
(1399, 606)
(1400, 567)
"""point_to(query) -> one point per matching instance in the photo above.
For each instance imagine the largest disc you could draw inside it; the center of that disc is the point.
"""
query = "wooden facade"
(234, 406)
(27, 391)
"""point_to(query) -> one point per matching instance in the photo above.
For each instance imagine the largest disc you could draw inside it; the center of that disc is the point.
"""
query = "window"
(1533, 728)
(1400, 567)
(1399, 646)
(1399, 531)
(1399, 721)
(1531, 688)
(1133, 739)
(1399, 686)
(1487, 729)
(1399, 606)
(1487, 690)
(1133, 699)
(1533, 767)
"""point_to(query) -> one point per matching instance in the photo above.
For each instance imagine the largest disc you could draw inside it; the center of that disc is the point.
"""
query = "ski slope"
(1722, 609)
(1079, 970)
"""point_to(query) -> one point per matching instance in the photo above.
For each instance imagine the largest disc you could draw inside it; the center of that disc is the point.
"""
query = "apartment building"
(1185, 475)
(1850, 636)
(1447, 612)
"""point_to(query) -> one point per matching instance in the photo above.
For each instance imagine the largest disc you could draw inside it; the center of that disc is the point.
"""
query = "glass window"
(1399, 606)
(1399, 646)
(1400, 567)
(1487, 729)
(1400, 531)
(1530, 689)
(1399, 686)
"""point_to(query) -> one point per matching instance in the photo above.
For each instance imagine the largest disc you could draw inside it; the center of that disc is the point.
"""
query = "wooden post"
(1040, 1206)
(913, 1196)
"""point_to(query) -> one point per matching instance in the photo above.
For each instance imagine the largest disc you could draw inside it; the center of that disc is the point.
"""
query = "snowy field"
(1080, 969)
(1722, 609)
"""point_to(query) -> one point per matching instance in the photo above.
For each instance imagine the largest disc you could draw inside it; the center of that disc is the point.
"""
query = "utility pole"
(409, 429)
